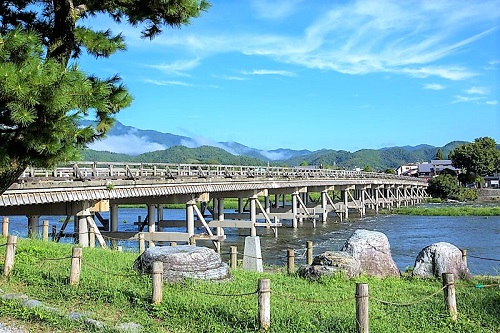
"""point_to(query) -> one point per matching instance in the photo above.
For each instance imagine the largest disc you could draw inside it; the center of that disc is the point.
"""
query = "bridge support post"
(294, 208)
(324, 203)
(346, 203)
(33, 221)
(83, 230)
(253, 215)
(113, 215)
(240, 205)
(190, 217)
(151, 222)
(220, 212)
(376, 200)
(267, 204)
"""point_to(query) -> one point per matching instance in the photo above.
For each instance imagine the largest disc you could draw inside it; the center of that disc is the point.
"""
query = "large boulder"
(331, 263)
(373, 250)
(184, 261)
(439, 258)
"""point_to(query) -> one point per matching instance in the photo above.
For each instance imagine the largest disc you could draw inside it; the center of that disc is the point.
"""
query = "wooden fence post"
(264, 300)
(234, 257)
(173, 243)
(45, 230)
(92, 237)
(10, 254)
(5, 227)
(291, 261)
(157, 282)
(309, 245)
(142, 243)
(449, 294)
(76, 265)
(362, 324)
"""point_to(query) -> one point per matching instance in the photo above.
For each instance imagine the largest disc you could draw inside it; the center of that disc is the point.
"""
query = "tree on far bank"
(439, 154)
(477, 159)
(43, 94)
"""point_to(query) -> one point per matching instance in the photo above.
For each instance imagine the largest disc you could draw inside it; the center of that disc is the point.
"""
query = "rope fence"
(263, 290)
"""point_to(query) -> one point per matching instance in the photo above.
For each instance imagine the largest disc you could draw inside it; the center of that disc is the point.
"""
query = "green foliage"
(200, 155)
(448, 211)
(112, 292)
(439, 154)
(443, 186)
(480, 158)
(446, 186)
(43, 96)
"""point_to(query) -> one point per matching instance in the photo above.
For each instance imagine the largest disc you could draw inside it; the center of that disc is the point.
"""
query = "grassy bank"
(449, 211)
(112, 292)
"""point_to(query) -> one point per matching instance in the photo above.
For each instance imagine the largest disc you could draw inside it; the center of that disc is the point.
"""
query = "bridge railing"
(116, 170)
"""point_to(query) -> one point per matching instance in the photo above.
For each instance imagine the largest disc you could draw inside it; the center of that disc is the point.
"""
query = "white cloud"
(272, 155)
(477, 91)
(168, 83)
(434, 86)
(360, 37)
(460, 99)
(269, 72)
(177, 67)
(450, 73)
(126, 144)
(492, 102)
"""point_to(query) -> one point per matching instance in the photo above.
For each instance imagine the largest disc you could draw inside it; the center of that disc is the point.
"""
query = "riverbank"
(448, 210)
(111, 292)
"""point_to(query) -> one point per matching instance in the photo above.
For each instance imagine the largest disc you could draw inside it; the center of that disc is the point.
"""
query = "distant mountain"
(130, 144)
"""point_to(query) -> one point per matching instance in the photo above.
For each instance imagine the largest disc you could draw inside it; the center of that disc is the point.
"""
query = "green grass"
(449, 211)
(112, 292)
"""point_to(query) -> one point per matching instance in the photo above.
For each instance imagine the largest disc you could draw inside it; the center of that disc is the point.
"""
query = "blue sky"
(343, 75)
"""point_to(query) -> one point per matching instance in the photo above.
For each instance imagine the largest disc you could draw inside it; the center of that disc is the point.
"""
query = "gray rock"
(373, 250)
(331, 263)
(96, 324)
(439, 258)
(129, 328)
(184, 261)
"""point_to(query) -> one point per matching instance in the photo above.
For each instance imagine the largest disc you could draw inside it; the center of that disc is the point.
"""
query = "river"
(407, 236)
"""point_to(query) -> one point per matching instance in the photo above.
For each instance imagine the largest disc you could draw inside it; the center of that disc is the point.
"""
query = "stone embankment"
(488, 195)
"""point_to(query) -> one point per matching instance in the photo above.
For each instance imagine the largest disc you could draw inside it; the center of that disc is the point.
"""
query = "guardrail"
(131, 171)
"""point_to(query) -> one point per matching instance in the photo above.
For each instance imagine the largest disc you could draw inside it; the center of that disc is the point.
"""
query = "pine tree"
(43, 94)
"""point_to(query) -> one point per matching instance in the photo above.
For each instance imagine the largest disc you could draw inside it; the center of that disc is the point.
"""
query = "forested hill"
(377, 160)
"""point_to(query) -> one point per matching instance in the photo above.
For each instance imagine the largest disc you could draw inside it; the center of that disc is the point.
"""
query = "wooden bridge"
(267, 196)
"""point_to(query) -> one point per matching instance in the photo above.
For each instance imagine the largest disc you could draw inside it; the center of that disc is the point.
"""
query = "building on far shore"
(408, 170)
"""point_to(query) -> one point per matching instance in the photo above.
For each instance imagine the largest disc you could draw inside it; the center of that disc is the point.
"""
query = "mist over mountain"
(130, 144)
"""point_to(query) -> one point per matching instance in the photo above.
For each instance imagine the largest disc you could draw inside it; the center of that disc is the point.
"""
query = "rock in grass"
(331, 263)
(439, 258)
(184, 261)
(373, 250)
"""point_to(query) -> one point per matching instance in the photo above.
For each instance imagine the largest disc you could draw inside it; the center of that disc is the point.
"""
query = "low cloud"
(129, 144)
(492, 102)
(272, 155)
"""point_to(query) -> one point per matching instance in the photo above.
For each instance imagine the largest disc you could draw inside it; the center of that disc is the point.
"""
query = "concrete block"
(252, 255)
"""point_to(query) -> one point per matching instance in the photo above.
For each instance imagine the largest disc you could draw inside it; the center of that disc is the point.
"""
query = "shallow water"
(407, 236)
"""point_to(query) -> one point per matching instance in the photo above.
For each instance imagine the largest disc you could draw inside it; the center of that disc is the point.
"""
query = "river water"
(407, 236)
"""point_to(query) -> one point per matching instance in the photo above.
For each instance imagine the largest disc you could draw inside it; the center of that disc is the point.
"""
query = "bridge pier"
(294, 208)
(83, 229)
(113, 216)
(253, 214)
(190, 217)
(33, 223)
